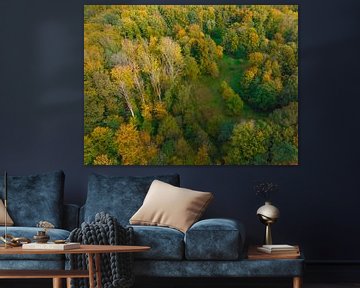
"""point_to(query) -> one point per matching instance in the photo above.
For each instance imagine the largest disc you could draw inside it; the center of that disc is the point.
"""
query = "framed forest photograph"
(190, 85)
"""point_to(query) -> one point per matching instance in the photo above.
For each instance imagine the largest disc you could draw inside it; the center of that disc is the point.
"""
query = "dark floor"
(241, 284)
(339, 285)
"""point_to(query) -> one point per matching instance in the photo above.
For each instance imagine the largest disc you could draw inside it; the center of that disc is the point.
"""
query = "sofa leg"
(57, 283)
(297, 282)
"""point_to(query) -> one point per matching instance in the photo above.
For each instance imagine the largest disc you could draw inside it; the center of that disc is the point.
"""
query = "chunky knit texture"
(116, 268)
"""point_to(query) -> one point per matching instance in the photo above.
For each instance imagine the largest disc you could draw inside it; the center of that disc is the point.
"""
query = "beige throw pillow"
(170, 206)
(10, 222)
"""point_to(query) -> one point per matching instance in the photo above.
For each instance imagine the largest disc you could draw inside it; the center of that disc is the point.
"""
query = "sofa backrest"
(70, 216)
(119, 196)
(35, 198)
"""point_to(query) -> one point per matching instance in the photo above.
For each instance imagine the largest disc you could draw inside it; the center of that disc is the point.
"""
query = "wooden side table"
(254, 254)
(93, 251)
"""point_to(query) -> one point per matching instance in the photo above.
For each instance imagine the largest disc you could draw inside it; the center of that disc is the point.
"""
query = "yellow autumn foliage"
(250, 74)
(134, 147)
(103, 159)
(256, 58)
(160, 110)
(146, 111)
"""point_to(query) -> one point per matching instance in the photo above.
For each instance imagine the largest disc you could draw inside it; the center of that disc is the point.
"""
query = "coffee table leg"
(68, 282)
(91, 270)
(57, 283)
(98, 270)
(297, 282)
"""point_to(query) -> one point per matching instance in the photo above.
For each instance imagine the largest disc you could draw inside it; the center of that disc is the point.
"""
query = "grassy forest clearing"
(191, 85)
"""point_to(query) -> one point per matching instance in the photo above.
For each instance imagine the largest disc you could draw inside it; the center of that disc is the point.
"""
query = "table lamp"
(5, 205)
(268, 214)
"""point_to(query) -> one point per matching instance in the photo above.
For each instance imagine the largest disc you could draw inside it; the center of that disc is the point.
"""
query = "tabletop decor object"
(51, 246)
(41, 236)
(268, 213)
(255, 254)
(278, 249)
(11, 241)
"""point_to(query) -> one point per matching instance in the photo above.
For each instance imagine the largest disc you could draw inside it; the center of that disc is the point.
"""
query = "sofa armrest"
(71, 216)
(215, 239)
(81, 214)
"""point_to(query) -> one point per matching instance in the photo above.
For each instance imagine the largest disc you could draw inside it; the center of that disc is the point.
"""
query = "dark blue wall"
(41, 116)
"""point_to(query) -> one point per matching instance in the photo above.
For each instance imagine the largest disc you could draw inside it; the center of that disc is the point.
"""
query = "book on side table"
(276, 249)
(274, 252)
(51, 246)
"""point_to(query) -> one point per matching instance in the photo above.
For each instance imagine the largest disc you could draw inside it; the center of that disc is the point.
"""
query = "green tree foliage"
(286, 122)
(284, 154)
(190, 84)
(270, 80)
(250, 143)
(191, 68)
(286, 116)
(225, 132)
(184, 154)
(100, 142)
(264, 96)
(233, 102)
(169, 128)
(202, 156)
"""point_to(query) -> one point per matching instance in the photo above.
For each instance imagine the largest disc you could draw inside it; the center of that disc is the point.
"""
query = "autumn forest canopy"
(191, 85)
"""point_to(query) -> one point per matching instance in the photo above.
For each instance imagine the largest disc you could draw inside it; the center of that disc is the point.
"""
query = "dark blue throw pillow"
(119, 196)
(35, 198)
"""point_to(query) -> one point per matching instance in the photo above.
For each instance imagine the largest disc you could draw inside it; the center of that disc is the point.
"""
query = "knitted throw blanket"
(116, 268)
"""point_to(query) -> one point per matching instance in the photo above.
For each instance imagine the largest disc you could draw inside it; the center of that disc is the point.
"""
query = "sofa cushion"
(29, 232)
(119, 196)
(165, 243)
(9, 221)
(214, 239)
(39, 264)
(170, 206)
(35, 198)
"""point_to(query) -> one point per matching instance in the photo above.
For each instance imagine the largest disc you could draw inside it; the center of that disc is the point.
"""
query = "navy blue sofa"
(210, 248)
(32, 199)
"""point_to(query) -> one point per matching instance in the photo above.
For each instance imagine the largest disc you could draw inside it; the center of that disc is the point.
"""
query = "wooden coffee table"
(92, 251)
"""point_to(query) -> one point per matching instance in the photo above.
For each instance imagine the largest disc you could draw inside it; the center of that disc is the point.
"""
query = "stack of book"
(278, 249)
(274, 252)
(51, 246)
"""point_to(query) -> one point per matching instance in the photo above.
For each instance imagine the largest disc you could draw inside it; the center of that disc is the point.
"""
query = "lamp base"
(268, 237)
